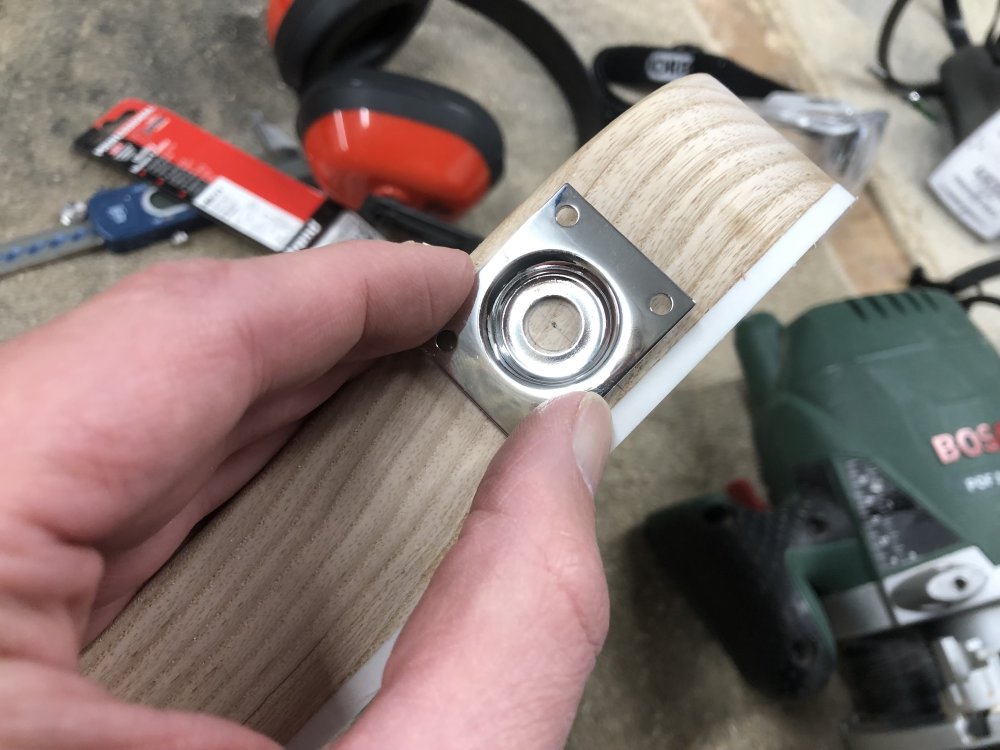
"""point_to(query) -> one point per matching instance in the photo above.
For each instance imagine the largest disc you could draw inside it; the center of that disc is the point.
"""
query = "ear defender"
(367, 133)
(371, 134)
(312, 37)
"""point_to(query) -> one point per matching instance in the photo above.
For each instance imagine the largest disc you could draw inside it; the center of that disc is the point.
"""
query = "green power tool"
(877, 427)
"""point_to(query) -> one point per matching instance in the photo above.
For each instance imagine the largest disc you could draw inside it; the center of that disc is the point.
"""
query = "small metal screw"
(73, 213)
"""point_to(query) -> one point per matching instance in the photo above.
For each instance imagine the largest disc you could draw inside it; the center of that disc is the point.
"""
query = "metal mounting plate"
(570, 256)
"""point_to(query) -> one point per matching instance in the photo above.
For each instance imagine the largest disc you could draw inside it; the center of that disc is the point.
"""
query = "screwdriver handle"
(138, 215)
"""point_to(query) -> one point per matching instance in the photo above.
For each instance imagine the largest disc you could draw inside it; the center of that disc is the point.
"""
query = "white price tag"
(967, 182)
(249, 214)
(348, 226)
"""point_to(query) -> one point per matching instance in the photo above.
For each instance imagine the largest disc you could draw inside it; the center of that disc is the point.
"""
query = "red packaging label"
(222, 181)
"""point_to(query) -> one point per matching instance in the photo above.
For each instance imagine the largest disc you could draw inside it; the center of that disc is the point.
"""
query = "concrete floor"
(662, 682)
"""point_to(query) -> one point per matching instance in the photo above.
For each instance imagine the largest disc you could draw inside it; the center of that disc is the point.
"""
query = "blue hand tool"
(119, 219)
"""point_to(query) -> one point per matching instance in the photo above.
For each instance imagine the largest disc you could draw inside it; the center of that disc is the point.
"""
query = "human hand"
(133, 417)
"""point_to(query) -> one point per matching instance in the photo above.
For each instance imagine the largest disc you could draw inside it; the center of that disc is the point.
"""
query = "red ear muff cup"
(312, 37)
(276, 10)
(417, 165)
(368, 132)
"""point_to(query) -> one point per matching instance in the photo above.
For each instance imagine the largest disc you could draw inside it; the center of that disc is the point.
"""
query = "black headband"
(651, 67)
(318, 35)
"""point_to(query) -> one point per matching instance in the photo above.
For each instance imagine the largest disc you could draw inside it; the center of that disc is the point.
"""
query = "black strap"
(992, 41)
(954, 24)
(647, 68)
(316, 36)
(970, 279)
(543, 40)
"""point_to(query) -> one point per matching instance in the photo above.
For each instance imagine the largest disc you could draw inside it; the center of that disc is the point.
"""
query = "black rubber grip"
(970, 88)
(729, 562)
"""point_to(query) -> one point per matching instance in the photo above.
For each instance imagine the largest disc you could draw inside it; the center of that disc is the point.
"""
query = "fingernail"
(592, 438)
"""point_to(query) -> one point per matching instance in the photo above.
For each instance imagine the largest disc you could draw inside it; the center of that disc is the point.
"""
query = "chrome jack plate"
(566, 304)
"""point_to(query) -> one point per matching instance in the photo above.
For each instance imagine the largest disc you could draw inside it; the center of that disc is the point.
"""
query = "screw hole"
(719, 515)
(817, 525)
(961, 583)
(661, 304)
(804, 651)
(567, 215)
(446, 341)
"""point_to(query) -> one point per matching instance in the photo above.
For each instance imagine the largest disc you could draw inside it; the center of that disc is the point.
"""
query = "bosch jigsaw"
(877, 428)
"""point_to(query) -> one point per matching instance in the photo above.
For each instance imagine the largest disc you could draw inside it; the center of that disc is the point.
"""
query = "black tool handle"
(970, 87)
(399, 222)
(730, 563)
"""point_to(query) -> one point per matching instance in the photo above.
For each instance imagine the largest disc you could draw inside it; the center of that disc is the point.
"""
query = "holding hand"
(130, 419)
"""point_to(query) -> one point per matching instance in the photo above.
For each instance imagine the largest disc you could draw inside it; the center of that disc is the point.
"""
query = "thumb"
(498, 650)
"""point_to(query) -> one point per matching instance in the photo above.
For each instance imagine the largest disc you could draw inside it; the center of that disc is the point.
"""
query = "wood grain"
(290, 588)
(868, 249)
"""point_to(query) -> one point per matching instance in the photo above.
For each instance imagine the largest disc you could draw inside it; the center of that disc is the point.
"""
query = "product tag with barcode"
(967, 182)
(223, 182)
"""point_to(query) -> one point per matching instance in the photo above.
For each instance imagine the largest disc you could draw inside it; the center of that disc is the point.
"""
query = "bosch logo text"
(969, 442)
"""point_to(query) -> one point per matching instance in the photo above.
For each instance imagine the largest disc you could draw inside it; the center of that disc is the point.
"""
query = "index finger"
(277, 319)
(154, 372)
